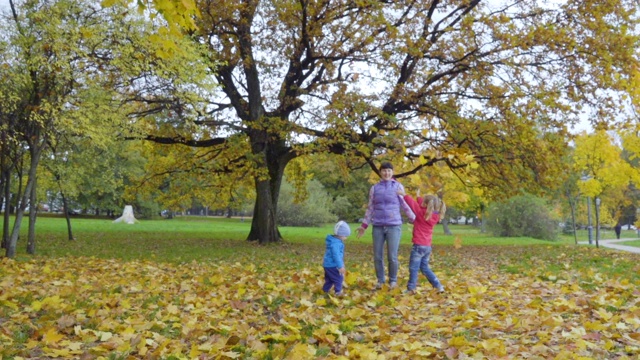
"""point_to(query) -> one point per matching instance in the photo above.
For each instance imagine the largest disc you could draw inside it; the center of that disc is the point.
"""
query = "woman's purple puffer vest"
(386, 204)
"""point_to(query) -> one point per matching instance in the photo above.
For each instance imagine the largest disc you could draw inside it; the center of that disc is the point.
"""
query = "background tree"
(460, 190)
(437, 81)
(631, 153)
(66, 59)
(599, 160)
(42, 77)
(569, 190)
(177, 177)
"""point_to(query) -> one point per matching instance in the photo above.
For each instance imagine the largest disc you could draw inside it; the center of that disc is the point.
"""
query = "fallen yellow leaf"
(52, 336)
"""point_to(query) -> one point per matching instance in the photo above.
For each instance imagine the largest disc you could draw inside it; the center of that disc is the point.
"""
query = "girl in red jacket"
(428, 212)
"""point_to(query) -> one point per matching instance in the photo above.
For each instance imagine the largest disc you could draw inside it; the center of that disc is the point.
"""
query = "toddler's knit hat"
(342, 229)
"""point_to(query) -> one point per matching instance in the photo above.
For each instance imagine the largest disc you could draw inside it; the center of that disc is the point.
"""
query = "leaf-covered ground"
(534, 302)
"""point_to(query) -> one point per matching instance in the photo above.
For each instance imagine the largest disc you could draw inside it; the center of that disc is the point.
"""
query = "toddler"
(333, 262)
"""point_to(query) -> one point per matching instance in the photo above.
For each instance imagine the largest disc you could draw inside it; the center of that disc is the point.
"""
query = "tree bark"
(445, 226)
(595, 202)
(6, 191)
(572, 205)
(15, 232)
(33, 211)
(264, 225)
(65, 208)
(7, 206)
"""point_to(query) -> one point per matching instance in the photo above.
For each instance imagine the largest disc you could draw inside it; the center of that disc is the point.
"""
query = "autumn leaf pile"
(501, 302)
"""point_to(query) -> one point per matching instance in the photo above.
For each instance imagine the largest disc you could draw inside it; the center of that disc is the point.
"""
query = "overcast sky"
(4, 5)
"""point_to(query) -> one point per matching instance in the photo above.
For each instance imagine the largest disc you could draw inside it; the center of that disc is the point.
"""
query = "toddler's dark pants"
(332, 277)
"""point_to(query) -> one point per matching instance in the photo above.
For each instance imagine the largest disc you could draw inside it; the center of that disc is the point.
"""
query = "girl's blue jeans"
(419, 261)
(391, 236)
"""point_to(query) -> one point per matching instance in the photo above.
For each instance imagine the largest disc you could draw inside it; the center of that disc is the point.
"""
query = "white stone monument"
(127, 216)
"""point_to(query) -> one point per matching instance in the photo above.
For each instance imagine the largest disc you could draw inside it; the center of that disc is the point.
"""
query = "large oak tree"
(495, 83)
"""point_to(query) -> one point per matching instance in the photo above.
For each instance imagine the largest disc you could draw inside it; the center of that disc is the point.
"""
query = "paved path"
(613, 244)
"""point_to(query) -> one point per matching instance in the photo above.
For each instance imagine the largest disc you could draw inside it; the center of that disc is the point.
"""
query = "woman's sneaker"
(441, 289)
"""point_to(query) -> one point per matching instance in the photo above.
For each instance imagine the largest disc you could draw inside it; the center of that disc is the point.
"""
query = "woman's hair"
(433, 203)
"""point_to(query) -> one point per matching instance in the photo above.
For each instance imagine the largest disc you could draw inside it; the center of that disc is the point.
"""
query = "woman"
(383, 212)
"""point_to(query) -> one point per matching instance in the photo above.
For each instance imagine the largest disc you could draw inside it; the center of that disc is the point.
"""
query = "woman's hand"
(360, 231)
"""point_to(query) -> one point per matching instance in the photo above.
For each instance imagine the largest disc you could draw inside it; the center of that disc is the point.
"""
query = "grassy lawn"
(187, 239)
(193, 288)
(200, 238)
(635, 243)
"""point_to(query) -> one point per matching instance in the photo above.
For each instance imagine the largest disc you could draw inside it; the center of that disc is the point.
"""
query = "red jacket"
(422, 229)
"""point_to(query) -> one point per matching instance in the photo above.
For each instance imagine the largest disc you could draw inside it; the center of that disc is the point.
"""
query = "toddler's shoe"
(409, 292)
(378, 286)
(441, 289)
(393, 285)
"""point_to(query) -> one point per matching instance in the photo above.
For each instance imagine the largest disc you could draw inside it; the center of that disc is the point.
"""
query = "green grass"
(635, 243)
(604, 234)
(187, 239)
(198, 238)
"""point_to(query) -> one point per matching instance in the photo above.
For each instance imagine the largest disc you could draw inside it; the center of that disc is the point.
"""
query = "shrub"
(343, 209)
(567, 227)
(524, 215)
(314, 211)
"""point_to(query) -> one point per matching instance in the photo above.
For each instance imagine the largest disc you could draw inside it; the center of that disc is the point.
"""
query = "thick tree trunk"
(33, 206)
(264, 226)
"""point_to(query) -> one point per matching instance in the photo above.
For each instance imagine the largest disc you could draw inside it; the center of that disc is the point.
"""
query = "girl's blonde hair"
(433, 203)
